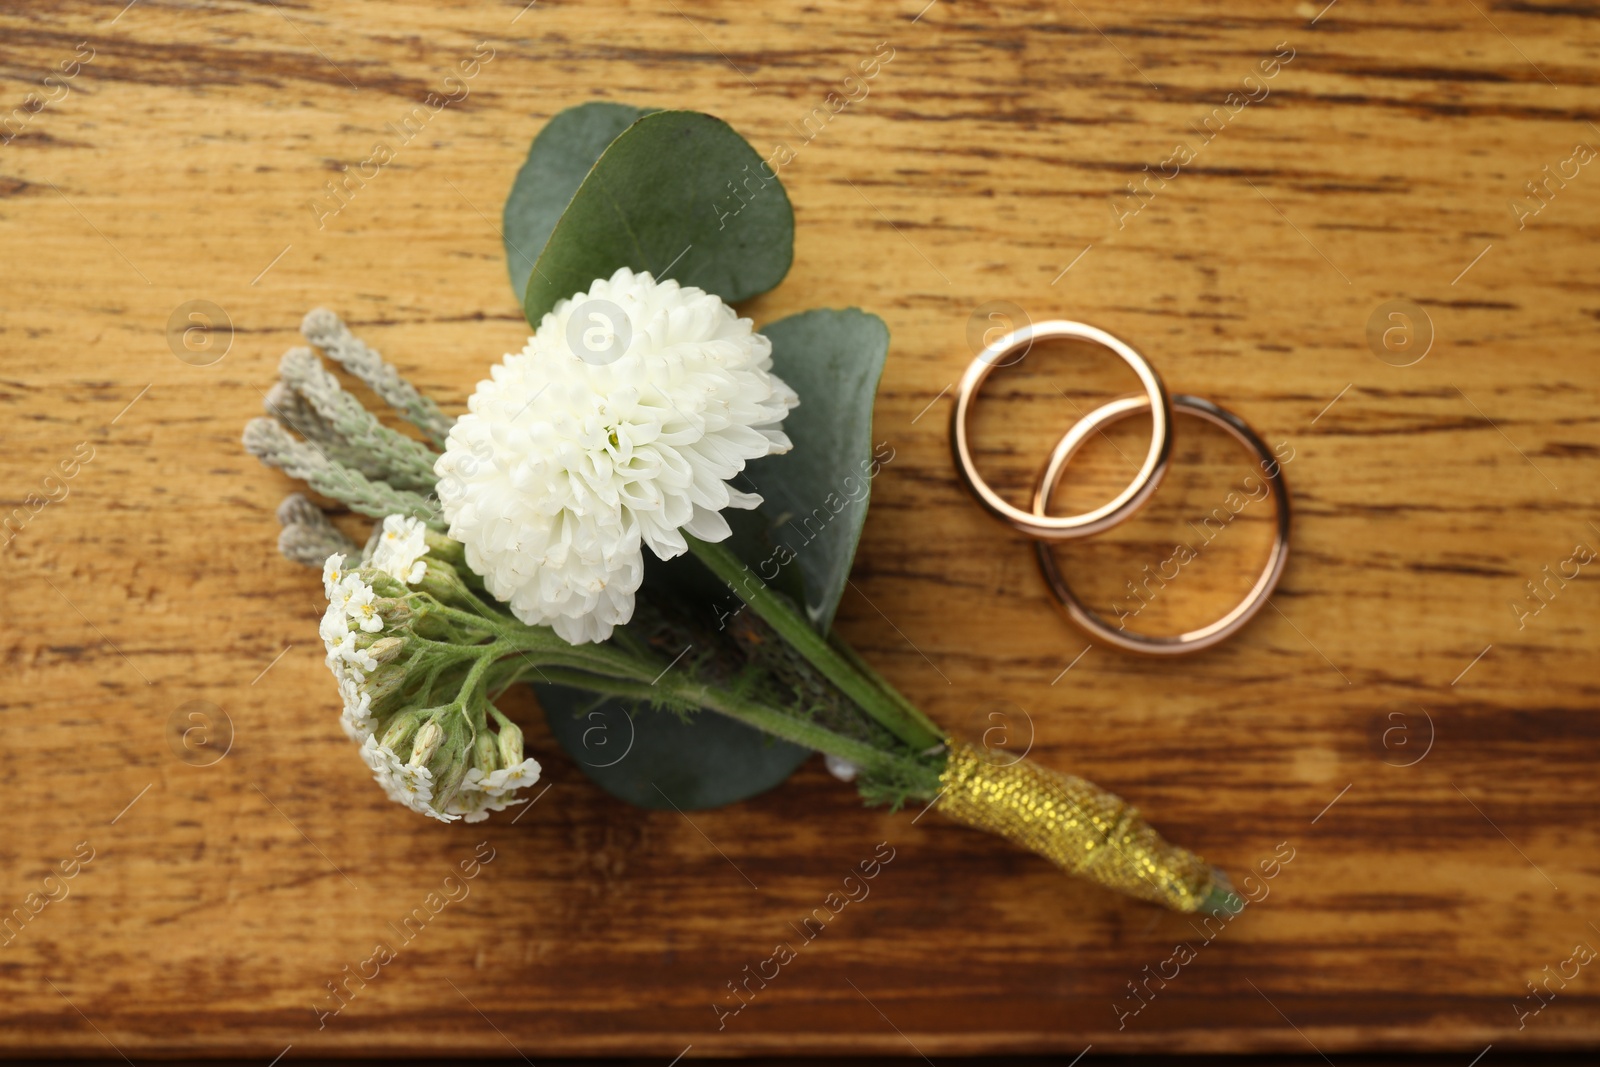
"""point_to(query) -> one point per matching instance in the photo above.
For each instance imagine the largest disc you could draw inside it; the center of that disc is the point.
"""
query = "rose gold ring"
(1038, 524)
(1205, 636)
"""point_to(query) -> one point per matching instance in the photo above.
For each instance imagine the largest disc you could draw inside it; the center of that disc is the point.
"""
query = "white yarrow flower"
(358, 603)
(507, 780)
(404, 784)
(475, 806)
(333, 573)
(349, 599)
(356, 719)
(400, 549)
(437, 746)
(335, 624)
(496, 791)
(346, 652)
(340, 596)
(566, 467)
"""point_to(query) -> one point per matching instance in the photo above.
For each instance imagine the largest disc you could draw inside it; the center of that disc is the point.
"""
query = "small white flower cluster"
(351, 603)
(496, 791)
(352, 607)
(400, 549)
(350, 600)
(403, 783)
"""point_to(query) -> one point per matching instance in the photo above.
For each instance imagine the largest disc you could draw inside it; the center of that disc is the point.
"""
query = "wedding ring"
(1038, 524)
(1205, 636)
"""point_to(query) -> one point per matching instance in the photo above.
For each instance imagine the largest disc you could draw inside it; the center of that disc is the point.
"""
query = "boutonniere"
(649, 512)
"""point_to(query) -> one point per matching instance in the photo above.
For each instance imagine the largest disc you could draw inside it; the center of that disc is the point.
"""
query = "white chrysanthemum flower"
(400, 549)
(567, 466)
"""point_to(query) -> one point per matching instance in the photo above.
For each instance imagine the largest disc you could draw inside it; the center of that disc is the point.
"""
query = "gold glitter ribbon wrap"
(1073, 824)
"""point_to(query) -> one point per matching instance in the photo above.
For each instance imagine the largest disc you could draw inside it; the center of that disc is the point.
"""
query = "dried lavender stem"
(269, 442)
(325, 330)
(405, 463)
(308, 537)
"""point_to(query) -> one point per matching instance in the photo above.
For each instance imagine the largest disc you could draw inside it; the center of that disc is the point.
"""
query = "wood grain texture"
(181, 164)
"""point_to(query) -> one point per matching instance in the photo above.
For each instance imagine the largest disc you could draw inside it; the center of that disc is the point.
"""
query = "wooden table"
(1422, 746)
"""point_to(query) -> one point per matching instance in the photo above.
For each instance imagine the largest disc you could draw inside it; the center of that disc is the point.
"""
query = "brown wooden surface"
(179, 166)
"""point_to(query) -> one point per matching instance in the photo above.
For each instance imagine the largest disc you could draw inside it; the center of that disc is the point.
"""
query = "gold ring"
(1205, 636)
(1038, 524)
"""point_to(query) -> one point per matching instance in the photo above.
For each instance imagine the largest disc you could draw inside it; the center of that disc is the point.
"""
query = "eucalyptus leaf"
(654, 759)
(816, 494)
(560, 158)
(678, 194)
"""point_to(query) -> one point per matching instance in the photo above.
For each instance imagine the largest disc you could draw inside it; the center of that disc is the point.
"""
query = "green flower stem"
(853, 657)
(1222, 897)
(530, 654)
(515, 651)
(895, 713)
(476, 678)
(548, 650)
(474, 621)
(540, 646)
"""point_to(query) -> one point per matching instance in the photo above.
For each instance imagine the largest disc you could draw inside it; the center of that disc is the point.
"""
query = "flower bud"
(510, 742)
(385, 649)
(395, 612)
(398, 736)
(385, 585)
(443, 582)
(443, 744)
(485, 754)
(429, 738)
(446, 549)
(387, 687)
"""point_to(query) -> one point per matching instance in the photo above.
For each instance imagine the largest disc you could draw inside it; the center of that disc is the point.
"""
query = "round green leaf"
(816, 494)
(558, 161)
(678, 194)
(654, 759)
